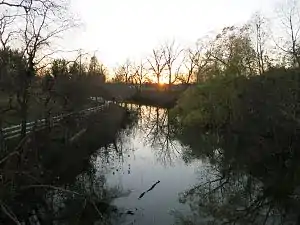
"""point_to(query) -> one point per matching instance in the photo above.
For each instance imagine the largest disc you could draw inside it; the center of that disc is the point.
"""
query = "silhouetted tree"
(157, 63)
(290, 17)
(171, 54)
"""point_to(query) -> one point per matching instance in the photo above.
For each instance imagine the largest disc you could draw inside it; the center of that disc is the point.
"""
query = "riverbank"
(57, 159)
(248, 129)
(158, 98)
(80, 139)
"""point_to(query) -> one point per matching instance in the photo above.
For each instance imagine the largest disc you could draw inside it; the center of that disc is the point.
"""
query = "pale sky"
(120, 29)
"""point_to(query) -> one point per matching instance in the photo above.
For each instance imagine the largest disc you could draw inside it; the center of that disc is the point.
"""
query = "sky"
(121, 29)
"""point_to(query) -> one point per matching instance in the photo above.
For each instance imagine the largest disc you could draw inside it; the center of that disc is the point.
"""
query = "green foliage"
(209, 104)
(248, 129)
(231, 53)
(257, 117)
(226, 101)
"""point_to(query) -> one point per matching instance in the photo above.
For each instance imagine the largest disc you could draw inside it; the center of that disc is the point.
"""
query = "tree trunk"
(25, 99)
(170, 77)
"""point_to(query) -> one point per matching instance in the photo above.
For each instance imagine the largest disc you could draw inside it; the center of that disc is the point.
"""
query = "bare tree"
(124, 72)
(5, 34)
(42, 22)
(157, 63)
(290, 18)
(140, 73)
(127, 68)
(171, 53)
(259, 27)
(195, 61)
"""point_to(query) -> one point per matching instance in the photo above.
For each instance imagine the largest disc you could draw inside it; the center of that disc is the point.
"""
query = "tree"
(140, 73)
(123, 72)
(232, 53)
(259, 29)
(59, 68)
(290, 19)
(74, 69)
(5, 34)
(42, 22)
(12, 66)
(195, 61)
(96, 69)
(171, 53)
(157, 63)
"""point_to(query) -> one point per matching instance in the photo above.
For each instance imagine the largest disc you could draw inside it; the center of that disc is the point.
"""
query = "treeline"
(247, 128)
(246, 91)
(243, 118)
(237, 68)
(59, 86)
(248, 50)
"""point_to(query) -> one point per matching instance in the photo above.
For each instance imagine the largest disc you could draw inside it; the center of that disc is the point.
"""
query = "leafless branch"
(171, 54)
(11, 215)
(157, 63)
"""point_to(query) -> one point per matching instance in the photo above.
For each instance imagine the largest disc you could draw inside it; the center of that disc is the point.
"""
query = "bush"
(209, 104)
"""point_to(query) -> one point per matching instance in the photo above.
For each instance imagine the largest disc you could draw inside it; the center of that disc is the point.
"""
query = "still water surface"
(149, 154)
(147, 176)
(222, 178)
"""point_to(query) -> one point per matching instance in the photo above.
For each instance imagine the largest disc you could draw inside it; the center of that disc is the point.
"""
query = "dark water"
(151, 173)
(215, 180)
(150, 154)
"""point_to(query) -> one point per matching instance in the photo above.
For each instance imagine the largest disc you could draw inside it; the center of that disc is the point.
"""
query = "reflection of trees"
(86, 201)
(245, 187)
(234, 197)
(52, 179)
(158, 133)
(153, 124)
(231, 198)
(113, 155)
(35, 195)
(255, 149)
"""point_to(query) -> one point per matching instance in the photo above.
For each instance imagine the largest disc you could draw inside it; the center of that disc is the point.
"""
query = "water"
(213, 181)
(150, 154)
(148, 176)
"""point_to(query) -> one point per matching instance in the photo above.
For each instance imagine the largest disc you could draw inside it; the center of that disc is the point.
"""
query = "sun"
(163, 81)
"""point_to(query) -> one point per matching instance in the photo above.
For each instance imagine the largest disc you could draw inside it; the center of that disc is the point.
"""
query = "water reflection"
(150, 168)
(154, 123)
(246, 181)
